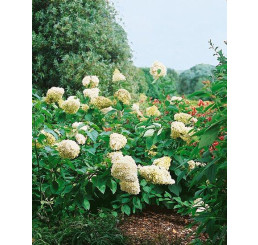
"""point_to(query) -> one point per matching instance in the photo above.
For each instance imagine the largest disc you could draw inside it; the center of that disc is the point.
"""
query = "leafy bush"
(191, 132)
(211, 181)
(72, 39)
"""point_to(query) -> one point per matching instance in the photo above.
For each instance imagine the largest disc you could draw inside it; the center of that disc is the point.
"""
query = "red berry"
(107, 129)
(222, 137)
(201, 103)
(193, 112)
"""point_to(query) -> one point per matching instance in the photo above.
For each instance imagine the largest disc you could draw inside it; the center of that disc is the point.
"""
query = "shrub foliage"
(72, 39)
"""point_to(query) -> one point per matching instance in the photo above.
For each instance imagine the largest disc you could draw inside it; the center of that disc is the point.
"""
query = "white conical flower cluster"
(118, 76)
(162, 162)
(124, 168)
(81, 139)
(101, 102)
(158, 172)
(50, 138)
(179, 130)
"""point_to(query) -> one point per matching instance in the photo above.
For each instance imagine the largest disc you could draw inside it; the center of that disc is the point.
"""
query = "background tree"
(72, 39)
(191, 80)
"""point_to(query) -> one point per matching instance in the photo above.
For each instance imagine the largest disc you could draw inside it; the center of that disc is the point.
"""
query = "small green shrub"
(92, 230)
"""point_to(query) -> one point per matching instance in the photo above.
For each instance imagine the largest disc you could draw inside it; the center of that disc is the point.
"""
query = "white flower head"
(71, 105)
(175, 99)
(130, 187)
(114, 156)
(184, 118)
(156, 175)
(81, 139)
(118, 76)
(153, 111)
(91, 92)
(54, 94)
(124, 168)
(68, 149)
(158, 70)
(117, 141)
(163, 162)
(123, 95)
(92, 81)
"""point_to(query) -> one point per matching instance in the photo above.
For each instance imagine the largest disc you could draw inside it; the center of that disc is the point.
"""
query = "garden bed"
(158, 226)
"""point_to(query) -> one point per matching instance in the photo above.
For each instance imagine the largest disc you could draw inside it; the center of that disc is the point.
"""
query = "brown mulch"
(156, 226)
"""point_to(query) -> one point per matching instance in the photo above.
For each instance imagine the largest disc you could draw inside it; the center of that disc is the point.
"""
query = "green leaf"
(86, 204)
(126, 209)
(100, 183)
(149, 142)
(181, 176)
(125, 200)
(67, 189)
(46, 112)
(113, 186)
(209, 136)
(54, 187)
(114, 213)
(91, 150)
(147, 189)
(211, 172)
(39, 120)
(145, 198)
(176, 189)
(93, 135)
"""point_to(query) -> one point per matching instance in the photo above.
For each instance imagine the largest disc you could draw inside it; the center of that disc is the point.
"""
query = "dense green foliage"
(191, 80)
(63, 187)
(211, 181)
(93, 229)
(72, 39)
